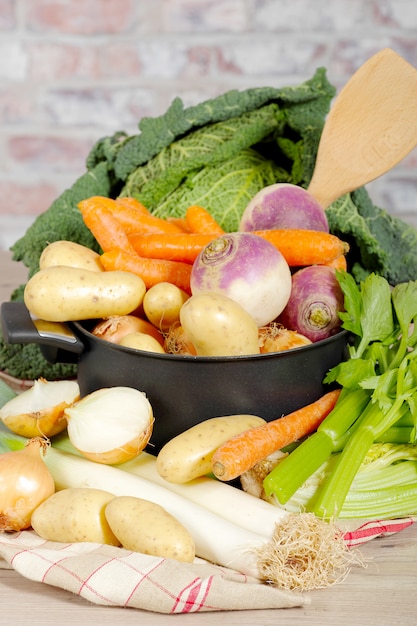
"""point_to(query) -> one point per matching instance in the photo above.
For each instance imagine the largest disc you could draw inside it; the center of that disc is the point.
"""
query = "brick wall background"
(72, 71)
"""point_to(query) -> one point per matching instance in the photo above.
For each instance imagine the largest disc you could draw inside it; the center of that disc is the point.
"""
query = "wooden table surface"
(382, 593)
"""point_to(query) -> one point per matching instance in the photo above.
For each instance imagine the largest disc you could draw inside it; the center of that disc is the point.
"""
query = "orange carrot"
(199, 220)
(152, 271)
(243, 451)
(298, 247)
(106, 228)
(183, 247)
(338, 264)
(180, 222)
(129, 201)
(305, 247)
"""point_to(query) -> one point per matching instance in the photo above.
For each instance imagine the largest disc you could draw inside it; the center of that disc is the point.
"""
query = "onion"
(283, 205)
(177, 342)
(25, 482)
(315, 302)
(111, 425)
(275, 338)
(115, 327)
(249, 270)
(39, 411)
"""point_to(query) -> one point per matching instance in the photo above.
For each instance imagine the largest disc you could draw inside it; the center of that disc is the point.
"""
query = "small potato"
(70, 254)
(62, 294)
(141, 341)
(162, 304)
(218, 326)
(73, 515)
(143, 526)
(188, 455)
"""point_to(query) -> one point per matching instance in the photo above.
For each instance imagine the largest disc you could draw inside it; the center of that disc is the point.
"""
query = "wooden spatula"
(371, 126)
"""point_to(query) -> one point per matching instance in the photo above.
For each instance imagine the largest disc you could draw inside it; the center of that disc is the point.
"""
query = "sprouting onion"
(25, 482)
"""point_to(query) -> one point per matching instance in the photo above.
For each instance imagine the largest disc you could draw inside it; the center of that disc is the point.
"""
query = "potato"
(69, 253)
(188, 455)
(162, 304)
(144, 526)
(75, 514)
(218, 326)
(61, 294)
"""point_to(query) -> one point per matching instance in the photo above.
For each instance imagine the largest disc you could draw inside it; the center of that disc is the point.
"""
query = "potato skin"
(61, 294)
(218, 326)
(188, 455)
(162, 304)
(144, 526)
(71, 254)
(74, 515)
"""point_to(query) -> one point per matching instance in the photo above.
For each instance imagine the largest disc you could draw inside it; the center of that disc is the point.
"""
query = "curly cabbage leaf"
(225, 189)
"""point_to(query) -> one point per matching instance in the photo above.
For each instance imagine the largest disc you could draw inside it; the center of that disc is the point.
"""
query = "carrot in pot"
(243, 451)
(305, 247)
(152, 271)
(106, 228)
(183, 247)
(199, 220)
(338, 264)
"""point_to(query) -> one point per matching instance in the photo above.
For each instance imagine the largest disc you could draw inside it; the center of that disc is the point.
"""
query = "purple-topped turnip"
(283, 205)
(247, 269)
(314, 304)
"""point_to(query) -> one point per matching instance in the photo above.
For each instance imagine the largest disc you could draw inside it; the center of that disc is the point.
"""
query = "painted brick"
(395, 14)
(301, 15)
(85, 17)
(28, 198)
(205, 16)
(7, 15)
(49, 153)
(102, 108)
(13, 61)
(53, 60)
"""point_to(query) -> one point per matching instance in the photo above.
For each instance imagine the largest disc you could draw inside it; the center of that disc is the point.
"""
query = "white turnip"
(315, 302)
(283, 205)
(248, 269)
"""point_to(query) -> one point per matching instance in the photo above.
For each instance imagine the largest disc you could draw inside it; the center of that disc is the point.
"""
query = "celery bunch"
(378, 400)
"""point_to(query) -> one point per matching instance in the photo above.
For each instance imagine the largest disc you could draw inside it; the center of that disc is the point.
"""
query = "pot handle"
(57, 341)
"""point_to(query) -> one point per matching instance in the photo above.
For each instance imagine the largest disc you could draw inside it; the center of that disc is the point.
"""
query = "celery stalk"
(294, 469)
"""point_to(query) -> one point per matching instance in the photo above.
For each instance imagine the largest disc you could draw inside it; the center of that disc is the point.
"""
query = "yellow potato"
(73, 515)
(141, 341)
(61, 294)
(69, 253)
(144, 526)
(218, 326)
(188, 455)
(162, 304)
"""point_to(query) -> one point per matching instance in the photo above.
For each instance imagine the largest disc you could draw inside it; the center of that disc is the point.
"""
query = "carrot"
(338, 264)
(152, 271)
(183, 247)
(180, 222)
(298, 247)
(199, 220)
(129, 201)
(106, 228)
(243, 451)
(305, 247)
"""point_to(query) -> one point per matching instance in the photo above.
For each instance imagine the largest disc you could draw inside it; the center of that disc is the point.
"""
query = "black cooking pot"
(183, 390)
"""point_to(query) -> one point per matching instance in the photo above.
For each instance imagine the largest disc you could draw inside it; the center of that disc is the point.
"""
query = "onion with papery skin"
(275, 338)
(246, 268)
(283, 205)
(115, 327)
(25, 482)
(111, 425)
(315, 302)
(39, 410)
(177, 342)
